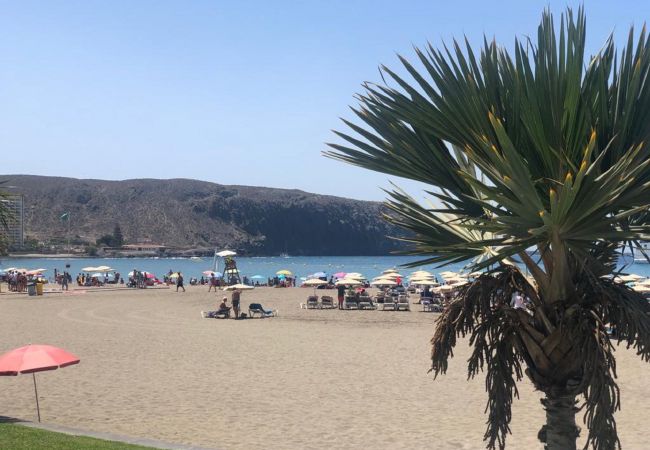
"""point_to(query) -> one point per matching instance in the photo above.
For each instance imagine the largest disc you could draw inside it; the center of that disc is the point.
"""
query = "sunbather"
(223, 311)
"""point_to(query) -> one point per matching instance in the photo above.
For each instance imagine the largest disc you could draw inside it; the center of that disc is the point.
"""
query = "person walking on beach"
(341, 293)
(213, 283)
(236, 297)
(179, 282)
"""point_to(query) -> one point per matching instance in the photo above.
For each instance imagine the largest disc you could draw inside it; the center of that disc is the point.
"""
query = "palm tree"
(538, 150)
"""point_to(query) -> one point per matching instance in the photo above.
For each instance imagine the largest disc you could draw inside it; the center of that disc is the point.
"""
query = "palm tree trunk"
(560, 431)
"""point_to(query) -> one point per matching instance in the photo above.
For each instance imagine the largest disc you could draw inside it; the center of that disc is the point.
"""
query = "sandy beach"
(151, 367)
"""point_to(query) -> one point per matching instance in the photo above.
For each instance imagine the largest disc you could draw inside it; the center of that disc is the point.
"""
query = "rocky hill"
(191, 214)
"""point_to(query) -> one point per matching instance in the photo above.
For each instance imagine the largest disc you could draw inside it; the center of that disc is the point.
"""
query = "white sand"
(151, 367)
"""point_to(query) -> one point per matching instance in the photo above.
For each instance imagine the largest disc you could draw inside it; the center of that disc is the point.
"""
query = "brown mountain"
(191, 214)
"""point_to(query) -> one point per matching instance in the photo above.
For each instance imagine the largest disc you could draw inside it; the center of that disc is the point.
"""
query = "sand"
(151, 367)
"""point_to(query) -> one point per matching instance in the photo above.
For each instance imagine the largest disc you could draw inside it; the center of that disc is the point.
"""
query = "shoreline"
(74, 256)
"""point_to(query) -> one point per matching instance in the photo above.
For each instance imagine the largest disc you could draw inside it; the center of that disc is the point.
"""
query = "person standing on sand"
(341, 293)
(213, 283)
(179, 282)
(236, 297)
(64, 282)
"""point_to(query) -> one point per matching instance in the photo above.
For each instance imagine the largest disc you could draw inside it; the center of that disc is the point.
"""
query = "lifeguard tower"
(230, 272)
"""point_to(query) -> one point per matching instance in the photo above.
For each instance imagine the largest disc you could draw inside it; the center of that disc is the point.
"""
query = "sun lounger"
(389, 304)
(351, 303)
(219, 314)
(257, 308)
(403, 303)
(312, 302)
(365, 302)
(426, 303)
(327, 302)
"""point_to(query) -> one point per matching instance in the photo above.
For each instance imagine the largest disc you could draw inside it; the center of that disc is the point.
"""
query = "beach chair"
(312, 302)
(365, 302)
(402, 303)
(389, 304)
(257, 308)
(426, 303)
(327, 302)
(219, 314)
(351, 303)
(379, 298)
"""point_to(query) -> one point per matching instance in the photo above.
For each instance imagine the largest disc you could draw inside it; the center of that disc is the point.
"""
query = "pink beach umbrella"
(35, 358)
(340, 275)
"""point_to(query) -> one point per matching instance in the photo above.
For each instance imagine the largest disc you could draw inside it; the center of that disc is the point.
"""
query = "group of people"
(85, 279)
(17, 281)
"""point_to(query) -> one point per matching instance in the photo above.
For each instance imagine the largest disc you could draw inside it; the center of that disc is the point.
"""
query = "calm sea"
(301, 266)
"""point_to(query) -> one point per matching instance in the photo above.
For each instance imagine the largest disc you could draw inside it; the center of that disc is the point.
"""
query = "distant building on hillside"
(15, 203)
(135, 250)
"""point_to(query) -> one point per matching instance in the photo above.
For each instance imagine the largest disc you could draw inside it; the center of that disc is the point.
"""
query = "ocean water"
(301, 266)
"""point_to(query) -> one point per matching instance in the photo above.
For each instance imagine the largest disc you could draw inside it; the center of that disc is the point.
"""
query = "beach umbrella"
(318, 275)
(103, 269)
(390, 271)
(426, 283)
(35, 358)
(383, 278)
(355, 275)
(447, 273)
(421, 272)
(89, 269)
(34, 272)
(315, 282)
(284, 272)
(241, 287)
(258, 277)
(348, 282)
(340, 275)
(383, 282)
(210, 273)
(225, 253)
(421, 277)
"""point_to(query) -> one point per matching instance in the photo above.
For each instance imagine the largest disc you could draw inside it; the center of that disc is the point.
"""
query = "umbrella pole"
(38, 408)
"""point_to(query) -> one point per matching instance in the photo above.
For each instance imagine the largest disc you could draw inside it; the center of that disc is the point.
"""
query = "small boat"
(195, 258)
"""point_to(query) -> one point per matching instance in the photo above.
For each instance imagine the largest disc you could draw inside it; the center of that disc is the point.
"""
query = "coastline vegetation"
(540, 149)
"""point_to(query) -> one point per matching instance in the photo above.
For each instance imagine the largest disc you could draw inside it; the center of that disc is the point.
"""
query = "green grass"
(17, 437)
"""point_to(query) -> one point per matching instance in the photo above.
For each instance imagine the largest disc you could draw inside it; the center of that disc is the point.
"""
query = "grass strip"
(18, 437)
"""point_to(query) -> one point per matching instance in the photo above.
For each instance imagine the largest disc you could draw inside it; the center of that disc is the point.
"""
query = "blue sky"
(230, 92)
